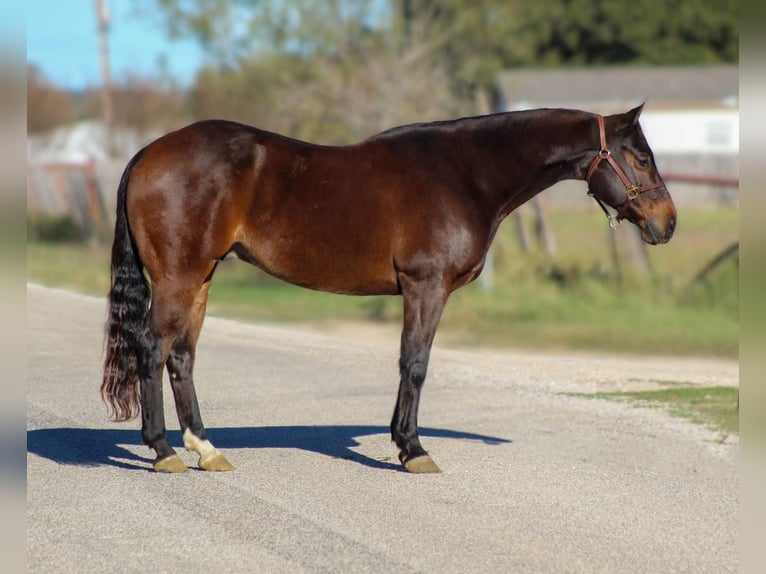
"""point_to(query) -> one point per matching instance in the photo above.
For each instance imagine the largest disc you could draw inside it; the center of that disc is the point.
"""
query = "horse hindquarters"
(140, 338)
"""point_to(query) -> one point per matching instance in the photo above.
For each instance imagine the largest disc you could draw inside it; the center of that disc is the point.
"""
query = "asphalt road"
(534, 480)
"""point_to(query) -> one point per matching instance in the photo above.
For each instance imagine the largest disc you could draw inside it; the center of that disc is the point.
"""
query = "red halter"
(632, 191)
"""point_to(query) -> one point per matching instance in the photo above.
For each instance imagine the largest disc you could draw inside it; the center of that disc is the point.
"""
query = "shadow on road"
(93, 447)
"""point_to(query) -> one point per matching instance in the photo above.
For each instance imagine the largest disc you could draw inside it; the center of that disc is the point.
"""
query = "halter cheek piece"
(633, 191)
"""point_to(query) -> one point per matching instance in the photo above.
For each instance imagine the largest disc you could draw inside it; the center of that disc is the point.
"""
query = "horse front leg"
(423, 306)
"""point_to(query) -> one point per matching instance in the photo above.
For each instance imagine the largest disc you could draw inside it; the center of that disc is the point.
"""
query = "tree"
(328, 74)
(649, 32)
(47, 106)
(139, 102)
(469, 42)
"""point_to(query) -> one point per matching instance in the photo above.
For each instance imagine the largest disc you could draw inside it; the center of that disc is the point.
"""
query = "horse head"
(624, 176)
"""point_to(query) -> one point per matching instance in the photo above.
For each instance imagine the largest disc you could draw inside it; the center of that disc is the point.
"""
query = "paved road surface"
(534, 480)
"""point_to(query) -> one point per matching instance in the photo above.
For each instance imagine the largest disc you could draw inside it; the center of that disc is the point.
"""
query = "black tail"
(128, 305)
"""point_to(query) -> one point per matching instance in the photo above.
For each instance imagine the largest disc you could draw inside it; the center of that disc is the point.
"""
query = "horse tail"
(129, 298)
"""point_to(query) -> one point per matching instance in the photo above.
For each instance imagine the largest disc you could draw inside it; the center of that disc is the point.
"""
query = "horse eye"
(643, 162)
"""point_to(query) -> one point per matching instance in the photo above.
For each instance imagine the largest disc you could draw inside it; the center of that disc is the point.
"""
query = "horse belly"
(321, 261)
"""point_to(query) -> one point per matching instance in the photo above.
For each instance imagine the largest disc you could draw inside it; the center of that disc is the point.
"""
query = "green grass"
(583, 321)
(71, 266)
(526, 308)
(714, 407)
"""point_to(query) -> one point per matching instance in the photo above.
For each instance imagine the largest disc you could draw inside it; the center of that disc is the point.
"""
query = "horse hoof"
(421, 465)
(172, 463)
(216, 463)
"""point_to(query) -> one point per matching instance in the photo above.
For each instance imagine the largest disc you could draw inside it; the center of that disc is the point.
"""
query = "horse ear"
(629, 119)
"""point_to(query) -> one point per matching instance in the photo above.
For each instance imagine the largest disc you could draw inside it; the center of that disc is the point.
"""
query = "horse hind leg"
(180, 366)
(168, 314)
(172, 306)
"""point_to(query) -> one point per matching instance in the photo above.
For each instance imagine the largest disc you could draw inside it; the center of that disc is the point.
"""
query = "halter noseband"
(633, 191)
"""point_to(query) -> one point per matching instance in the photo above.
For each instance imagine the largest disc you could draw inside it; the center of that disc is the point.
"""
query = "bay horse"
(411, 211)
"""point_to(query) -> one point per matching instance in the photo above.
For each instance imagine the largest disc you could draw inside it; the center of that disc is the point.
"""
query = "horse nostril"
(671, 227)
(652, 233)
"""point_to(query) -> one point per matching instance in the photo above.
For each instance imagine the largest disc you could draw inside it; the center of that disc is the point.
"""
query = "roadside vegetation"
(714, 407)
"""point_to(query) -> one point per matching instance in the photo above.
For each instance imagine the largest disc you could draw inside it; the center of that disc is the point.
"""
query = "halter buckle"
(632, 192)
(604, 153)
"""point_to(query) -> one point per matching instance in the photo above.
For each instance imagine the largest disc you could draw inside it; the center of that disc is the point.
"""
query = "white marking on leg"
(205, 449)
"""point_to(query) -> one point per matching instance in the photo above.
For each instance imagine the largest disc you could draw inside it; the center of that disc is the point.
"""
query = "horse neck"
(520, 154)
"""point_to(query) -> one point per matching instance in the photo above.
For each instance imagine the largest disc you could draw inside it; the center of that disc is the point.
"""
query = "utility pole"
(106, 87)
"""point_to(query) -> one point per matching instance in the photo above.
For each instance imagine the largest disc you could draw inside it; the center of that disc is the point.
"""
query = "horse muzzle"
(655, 232)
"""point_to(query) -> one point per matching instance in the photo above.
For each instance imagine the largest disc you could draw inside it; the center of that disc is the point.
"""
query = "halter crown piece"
(633, 191)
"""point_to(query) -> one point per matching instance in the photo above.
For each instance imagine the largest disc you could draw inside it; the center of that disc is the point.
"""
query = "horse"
(411, 211)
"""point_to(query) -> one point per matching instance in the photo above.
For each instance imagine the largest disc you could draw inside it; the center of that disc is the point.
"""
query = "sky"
(62, 40)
